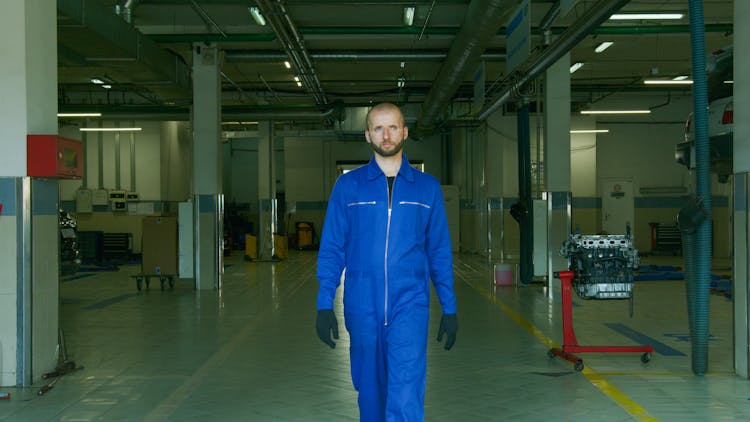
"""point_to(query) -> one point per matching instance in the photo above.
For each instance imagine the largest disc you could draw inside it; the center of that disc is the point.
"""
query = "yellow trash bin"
(251, 246)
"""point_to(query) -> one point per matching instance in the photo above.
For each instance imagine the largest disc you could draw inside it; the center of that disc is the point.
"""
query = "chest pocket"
(412, 218)
(362, 215)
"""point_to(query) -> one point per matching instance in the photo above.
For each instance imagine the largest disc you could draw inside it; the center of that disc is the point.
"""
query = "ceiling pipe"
(483, 18)
(125, 9)
(292, 42)
(207, 18)
(227, 114)
(374, 55)
(409, 31)
(582, 27)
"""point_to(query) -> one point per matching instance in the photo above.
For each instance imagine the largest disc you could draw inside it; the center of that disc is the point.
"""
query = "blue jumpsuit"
(389, 255)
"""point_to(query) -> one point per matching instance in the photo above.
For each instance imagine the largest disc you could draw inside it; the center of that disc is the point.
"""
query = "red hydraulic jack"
(570, 344)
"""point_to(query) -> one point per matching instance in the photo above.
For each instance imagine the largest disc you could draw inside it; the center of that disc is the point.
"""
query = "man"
(386, 226)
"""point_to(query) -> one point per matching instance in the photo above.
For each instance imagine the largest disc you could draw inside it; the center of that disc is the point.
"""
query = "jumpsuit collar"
(406, 171)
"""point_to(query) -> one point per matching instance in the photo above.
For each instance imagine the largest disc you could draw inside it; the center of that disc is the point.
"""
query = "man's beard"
(387, 153)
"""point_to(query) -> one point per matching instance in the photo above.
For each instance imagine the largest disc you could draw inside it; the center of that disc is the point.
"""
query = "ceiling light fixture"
(79, 114)
(296, 79)
(107, 86)
(680, 78)
(603, 46)
(401, 82)
(575, 66)
(667, 82)
(728, 82)
(590, 131)
(287, 64)
(615, 111)
(647, 16)
(97, 81)
(110, 129)
(409, 15)
(257, 16)
(299, 83)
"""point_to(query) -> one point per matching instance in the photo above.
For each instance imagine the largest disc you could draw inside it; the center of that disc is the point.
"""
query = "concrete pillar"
(741, 168)
(29, 258)
(267, 217)
(207, 190)
(557, 161)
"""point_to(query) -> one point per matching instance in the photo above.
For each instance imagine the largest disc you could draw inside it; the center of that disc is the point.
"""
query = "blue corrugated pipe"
(701, 284)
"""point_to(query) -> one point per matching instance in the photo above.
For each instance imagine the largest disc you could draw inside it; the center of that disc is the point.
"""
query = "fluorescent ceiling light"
(296, 79)
(647, 16)
(575, 66)
(667, 82)
(299, 83)
(110, 129)
(409, 15)
(107, 86)
(257, 16)
(97, 81)
(680, 78)
(603, 46)
(590, 131)
(728, 82)
(615, 111)
(287, 64)
(79, 114)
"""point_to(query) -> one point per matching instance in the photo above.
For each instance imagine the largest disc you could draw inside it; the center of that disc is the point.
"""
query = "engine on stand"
(603, 265)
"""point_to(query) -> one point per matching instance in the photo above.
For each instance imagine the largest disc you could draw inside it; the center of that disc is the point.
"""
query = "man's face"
(386, 132)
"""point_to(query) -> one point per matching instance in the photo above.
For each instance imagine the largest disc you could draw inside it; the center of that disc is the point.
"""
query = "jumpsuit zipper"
(387, 235)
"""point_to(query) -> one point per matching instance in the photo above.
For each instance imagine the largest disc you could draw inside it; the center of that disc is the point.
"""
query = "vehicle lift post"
(570, 343)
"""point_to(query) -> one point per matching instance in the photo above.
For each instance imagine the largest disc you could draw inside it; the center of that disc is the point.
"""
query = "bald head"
(385, 107)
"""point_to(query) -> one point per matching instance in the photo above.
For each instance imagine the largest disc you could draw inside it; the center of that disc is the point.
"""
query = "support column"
(266, 191)
(29, 283)
(207, 191)
(526, 220)
(557, 162)
(741, 168)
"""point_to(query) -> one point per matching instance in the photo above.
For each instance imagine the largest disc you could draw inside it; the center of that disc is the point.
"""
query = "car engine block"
(603, 265)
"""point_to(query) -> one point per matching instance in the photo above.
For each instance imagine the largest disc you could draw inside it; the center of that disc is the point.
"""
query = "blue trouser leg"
(368, 368)
(407, 364)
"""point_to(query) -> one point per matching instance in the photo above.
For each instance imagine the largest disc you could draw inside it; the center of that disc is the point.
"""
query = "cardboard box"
(159, 245)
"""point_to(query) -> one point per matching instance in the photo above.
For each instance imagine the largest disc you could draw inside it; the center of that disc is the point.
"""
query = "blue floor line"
(76, 277)
(643, 339)
(110, 301)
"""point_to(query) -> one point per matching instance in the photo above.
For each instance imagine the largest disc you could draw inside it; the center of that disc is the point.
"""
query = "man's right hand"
(324, 324)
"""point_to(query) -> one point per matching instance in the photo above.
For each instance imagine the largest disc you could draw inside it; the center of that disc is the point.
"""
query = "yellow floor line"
(597, 380)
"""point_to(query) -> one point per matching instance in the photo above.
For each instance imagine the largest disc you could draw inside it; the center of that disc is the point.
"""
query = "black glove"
(448, 326)
(324, 324)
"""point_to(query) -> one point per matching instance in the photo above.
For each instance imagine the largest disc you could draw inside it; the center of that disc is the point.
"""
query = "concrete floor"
(250, 353)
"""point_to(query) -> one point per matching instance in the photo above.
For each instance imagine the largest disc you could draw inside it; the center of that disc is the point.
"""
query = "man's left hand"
(448, 326)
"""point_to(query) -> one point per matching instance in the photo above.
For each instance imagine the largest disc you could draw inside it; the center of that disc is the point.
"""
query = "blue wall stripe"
(559, 200)
(643, 339)
(312, 205)
(110, 301)
(8, 195)
(587, 202)
(44, 196)
(740, 189)
(206, 203)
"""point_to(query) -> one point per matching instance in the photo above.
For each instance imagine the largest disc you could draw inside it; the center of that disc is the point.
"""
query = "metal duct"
(482, 21)
(134, 53)
(591, 19)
